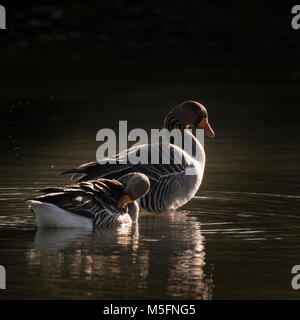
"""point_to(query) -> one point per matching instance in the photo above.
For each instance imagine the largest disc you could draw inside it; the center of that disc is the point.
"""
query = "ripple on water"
(242, 214)
(165, 256)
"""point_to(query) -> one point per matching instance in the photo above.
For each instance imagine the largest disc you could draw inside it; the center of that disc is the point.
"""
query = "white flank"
(51, 216)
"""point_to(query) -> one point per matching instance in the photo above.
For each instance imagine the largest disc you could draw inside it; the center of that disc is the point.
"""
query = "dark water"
(238, 238)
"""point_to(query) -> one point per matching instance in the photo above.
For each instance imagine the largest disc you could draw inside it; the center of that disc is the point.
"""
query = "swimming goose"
(171, 186)
(94, 203)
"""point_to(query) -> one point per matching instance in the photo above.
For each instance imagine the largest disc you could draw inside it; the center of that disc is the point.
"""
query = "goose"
(171, 186)
(91, 204)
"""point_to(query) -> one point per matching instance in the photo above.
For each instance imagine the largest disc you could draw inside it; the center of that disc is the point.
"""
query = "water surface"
(238, 237)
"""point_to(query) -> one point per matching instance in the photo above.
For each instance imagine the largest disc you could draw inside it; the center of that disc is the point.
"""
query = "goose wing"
(90, 198)
(169, 182)
(124, 164)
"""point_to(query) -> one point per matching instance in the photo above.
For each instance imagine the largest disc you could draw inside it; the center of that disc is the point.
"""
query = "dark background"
(146, 41)
(98, 43)
(249, 39)
(231, 39)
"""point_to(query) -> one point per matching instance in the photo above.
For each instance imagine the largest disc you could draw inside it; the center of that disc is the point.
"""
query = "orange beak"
(124, 200)
(208, 131)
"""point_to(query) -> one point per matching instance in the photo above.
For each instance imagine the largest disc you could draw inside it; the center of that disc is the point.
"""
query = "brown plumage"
(98, 200)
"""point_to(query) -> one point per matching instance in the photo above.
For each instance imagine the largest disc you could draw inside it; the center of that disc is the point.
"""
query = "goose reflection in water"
(123, 263)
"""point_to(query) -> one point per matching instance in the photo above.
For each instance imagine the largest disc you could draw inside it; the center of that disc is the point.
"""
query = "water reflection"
(164, 256)
(235, 240)
(247, 209)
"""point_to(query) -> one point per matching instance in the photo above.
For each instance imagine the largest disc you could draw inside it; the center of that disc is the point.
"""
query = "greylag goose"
(171, 186)
(95, 203)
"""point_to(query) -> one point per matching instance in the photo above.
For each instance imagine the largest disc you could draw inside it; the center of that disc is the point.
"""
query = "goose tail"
(51, 216)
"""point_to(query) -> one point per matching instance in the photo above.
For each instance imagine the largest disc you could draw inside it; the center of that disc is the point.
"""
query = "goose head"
(136, 185)
(189, 114)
